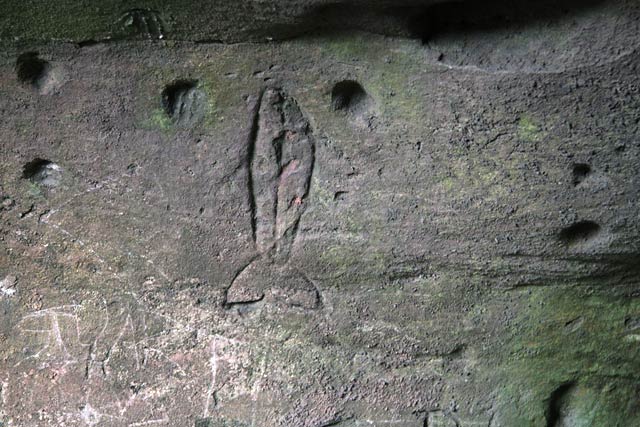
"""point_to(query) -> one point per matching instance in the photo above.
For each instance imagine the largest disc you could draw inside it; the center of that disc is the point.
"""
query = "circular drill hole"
(348, 96)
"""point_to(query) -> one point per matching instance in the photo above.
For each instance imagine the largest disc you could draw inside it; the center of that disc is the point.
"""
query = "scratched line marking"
(214, 360)
(54, 334)
(4, 391)
(60, 333)
(103, 184)
(91, 360)
(255, 389)
(150, 422)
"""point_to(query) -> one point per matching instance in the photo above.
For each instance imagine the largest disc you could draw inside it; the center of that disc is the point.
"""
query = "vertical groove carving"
(281, 164)
(280, 157)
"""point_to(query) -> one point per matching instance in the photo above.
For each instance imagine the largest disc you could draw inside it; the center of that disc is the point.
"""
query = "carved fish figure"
(280, 159)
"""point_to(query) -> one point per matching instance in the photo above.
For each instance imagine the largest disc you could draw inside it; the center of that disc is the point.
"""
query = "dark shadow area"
(556, 403)
(173, 96)
(580, 172)
(580, 232)
(593, 270)
(30, 68)
(429, 20)
(621, 268)
(470, 16)
(34, 168)
(42, 172)
(348, 96)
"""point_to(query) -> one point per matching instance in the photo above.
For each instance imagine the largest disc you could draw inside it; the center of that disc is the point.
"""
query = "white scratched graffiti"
(50, 329)
(224, 353)
(114, 359)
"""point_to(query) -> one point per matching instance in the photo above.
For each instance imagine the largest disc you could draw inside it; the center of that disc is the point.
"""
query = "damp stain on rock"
(529, 129)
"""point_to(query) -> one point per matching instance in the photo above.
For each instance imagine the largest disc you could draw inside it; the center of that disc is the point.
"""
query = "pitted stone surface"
(342, 229)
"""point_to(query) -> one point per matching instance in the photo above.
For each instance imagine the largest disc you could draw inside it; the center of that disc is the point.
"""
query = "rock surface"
(433, 225)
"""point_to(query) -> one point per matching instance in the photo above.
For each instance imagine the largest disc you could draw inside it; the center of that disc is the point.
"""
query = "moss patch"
(529, 129)
(578, 337)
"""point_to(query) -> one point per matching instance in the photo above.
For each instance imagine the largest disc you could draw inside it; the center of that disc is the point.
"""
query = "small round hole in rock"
(348, 96)
(579, 233)
(557, 404)
(580, 172)
(339, 196)
(184, 102)
(42, 172)
(31, 69)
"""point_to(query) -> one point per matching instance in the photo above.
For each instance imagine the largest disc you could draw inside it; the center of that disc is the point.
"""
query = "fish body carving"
(280, 160)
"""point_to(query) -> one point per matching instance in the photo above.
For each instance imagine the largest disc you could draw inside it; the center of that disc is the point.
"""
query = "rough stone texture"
(436, 228)
(203, 21)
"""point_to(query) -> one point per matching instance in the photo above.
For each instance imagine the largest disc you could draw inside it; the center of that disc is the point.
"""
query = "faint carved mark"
(142, 23)
(4, 391)
(211, 392)
(89, 415)
(221, 358)
(52, 329)
(122, 344)
(280, 157)
(256, 387)
(8, 286)
(164, 420)
(281, 163)
(441, 419)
